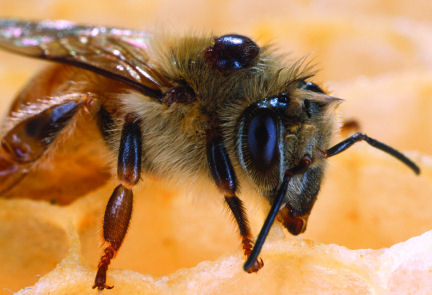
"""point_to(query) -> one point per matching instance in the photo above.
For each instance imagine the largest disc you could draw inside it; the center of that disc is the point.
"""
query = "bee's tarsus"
(100, 279)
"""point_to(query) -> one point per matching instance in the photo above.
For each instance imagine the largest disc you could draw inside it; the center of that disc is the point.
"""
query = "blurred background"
(377, 55)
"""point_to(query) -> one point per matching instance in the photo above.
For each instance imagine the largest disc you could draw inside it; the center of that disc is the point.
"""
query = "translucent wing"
(116, 53)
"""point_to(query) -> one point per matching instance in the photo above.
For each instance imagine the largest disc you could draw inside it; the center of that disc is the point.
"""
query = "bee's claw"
(258, 264)
(101, 287)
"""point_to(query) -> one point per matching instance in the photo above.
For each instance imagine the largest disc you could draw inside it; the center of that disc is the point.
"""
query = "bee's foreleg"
(225, 179)
(119, 208)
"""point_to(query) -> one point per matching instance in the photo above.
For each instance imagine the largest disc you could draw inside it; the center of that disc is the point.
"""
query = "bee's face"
(274, 133)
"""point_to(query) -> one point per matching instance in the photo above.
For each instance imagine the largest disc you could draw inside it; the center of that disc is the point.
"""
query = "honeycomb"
(370, 230)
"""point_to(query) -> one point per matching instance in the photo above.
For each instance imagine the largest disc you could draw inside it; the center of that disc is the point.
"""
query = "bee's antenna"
(267, 224)
(300, 168)
(343, 145)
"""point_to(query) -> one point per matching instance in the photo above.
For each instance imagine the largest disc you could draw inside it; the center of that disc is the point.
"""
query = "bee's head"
(276, 132)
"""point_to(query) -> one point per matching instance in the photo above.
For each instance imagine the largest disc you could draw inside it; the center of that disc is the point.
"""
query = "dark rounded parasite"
(230, 53)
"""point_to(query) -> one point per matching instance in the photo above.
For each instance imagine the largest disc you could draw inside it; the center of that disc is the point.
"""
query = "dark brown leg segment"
(224, 177)
(119, 208)
(116, 221)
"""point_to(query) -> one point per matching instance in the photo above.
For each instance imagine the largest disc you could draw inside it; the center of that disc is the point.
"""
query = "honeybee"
(221, 108)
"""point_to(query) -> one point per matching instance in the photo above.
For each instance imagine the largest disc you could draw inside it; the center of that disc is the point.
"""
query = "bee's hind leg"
(25, 143)
(119, 208)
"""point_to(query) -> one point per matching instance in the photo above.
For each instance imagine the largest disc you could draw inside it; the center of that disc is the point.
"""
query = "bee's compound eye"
(262, 139)
(231, 52)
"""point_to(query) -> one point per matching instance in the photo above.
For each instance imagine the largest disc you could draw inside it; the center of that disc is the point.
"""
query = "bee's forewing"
(116, 53)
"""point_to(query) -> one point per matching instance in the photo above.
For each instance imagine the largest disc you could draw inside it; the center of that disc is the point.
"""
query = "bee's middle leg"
(119, 208)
